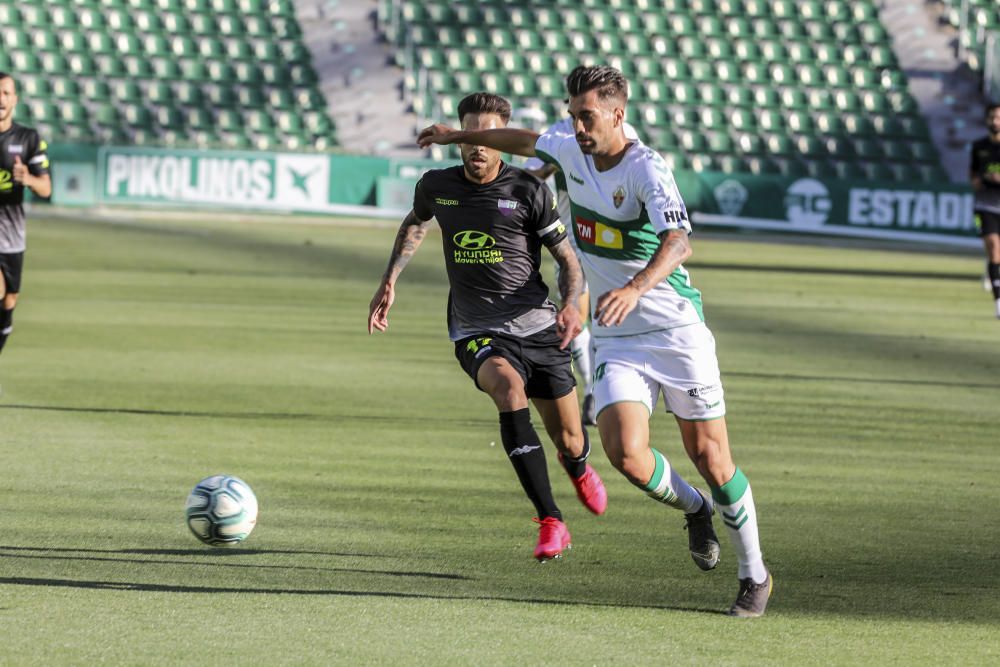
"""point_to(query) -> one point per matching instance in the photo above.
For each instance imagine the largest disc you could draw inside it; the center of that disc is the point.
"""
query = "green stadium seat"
(879, 171)
(35, 15)
(742, 119)
(127, 91)
(765, 97)
(810, 146)
(693, 142)
(35, 87)
(740, 96)
(821, 169)
(229, 120)
(10, 16)
(858, 124)
(801, 122)
(924, 152)
(54, 63)
(45, 40)
(731, 164)
(169, 118)
(820, 99)
(107, 115)
(770, 120)
(720, 142)
(96, 90)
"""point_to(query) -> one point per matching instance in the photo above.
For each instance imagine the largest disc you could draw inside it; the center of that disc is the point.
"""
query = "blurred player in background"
(23, 164)
(509, 337)
(984, 171)
(581, 347)
(632, 232)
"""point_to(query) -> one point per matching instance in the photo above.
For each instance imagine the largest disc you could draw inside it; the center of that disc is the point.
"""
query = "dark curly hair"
(484, 103)
(607, 81)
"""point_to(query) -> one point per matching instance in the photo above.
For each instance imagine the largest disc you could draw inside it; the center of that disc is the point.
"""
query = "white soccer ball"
(221, 510)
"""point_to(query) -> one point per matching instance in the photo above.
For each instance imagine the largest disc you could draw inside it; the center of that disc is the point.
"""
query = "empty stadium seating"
(803, 87)
(231, 73)
(980, 17)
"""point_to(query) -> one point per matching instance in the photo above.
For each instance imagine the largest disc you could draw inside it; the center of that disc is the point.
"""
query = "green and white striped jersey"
(618, 216)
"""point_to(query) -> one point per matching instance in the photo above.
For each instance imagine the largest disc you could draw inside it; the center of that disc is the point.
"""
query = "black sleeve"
(36, 157)
(421, 203)
(547, 223)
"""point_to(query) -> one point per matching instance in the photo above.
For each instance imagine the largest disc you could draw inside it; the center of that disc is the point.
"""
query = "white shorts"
(679, 363)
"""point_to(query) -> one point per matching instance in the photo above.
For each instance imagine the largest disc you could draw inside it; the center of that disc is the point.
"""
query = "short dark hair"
(7, 75)
(606, 80)
(989, 107)
(484, 103)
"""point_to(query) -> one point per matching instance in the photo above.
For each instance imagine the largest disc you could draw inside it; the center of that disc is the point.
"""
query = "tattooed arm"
(570, 288)
(614, 306)
(411, 234)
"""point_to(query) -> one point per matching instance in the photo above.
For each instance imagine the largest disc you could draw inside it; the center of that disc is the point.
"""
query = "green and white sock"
(670, 488)
(734, 503)
(580, 349)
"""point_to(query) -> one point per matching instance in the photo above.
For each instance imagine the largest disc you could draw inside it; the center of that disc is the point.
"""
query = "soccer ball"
(221, 510)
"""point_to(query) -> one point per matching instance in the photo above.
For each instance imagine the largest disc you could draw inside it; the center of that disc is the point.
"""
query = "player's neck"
(6, 124)
(615, 155)
(994, 136)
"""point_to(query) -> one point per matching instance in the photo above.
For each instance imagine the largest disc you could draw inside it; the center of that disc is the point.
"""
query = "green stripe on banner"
(731, 492)
(654, 481)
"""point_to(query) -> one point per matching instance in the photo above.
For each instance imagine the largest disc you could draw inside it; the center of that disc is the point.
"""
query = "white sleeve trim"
(551, 228)
(41, 157)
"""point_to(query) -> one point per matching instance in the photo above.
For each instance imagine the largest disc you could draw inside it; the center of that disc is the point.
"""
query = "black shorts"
(11, 265)
(546, 370)
(988, 222)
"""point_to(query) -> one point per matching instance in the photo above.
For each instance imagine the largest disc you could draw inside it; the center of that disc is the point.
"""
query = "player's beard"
(479, 165)
(588, 146)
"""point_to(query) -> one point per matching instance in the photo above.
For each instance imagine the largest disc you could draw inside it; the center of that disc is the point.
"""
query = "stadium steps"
(358, 77)
(945, 88)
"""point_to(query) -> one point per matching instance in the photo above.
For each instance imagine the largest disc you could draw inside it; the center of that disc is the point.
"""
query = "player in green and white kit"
(632, 231)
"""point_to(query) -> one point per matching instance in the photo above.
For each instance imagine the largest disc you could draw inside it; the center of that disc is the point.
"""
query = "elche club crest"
(619, 196)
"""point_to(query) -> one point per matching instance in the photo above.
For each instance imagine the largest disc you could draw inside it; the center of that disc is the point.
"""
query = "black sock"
(993, 271)
(576, 467)
(6, 325)
(525, 452)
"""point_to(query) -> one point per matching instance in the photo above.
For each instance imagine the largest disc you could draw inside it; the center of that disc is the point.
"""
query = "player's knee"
(630, 459)
(508, 395)
(713, 460)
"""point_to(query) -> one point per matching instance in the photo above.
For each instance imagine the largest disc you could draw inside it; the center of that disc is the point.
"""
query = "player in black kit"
(509, 337)
(984, 172)
(23, 164)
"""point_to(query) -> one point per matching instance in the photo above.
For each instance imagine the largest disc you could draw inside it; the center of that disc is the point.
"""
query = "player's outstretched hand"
(436, 134)
(378, 309)
(568, 325)
(614, 306)
(20, 170)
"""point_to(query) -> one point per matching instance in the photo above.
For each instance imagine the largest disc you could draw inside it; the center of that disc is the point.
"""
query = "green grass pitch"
(862, 388)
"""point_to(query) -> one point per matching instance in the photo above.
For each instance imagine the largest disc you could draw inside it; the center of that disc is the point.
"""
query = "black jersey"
(986, 160)
(492, 236)
(24, 143)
